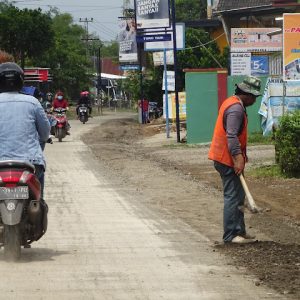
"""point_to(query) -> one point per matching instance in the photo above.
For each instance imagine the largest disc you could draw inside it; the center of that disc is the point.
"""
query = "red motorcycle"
(23, 215)
(61, 123)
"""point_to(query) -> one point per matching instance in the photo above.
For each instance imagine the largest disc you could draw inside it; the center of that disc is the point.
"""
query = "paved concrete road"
(101, 245)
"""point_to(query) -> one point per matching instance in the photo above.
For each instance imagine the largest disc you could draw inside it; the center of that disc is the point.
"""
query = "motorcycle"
(23, 215)
(61, 123)
(83, 113)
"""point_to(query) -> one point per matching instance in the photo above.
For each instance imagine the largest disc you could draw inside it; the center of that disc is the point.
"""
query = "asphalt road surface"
(101, 244)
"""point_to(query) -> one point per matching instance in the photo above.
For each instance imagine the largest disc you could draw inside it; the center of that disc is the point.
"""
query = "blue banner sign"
(129, 67)
(259, 65)
(153, 38)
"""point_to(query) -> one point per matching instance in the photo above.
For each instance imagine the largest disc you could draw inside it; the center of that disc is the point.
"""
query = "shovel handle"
(252, 204)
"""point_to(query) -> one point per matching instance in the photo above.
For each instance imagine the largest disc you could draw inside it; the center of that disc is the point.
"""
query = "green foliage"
(258, 138)
(132, 85)
(152, 85)
(287, 144)
(25, 33)
(200, 52)
(111, 50)
(266, 171)
(67, 59)
(190, 10)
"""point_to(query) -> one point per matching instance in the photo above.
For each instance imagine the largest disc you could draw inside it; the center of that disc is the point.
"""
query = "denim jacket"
(23, 124)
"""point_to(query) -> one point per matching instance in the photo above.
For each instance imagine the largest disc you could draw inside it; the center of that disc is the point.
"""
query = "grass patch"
(71, 113)
(257, 138)
(266, 171)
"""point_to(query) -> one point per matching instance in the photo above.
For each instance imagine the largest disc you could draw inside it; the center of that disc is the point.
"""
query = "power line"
(109, 34)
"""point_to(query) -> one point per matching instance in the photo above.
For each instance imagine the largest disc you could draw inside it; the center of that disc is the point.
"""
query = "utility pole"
(176, 71)
(86, 39)
(99, 81)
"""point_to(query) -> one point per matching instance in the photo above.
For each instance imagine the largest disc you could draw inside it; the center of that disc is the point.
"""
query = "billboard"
(291, 46)
(255, 40)
(127, 41)
(152, 14)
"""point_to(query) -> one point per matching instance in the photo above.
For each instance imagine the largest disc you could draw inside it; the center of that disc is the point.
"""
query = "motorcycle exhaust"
(34, 211)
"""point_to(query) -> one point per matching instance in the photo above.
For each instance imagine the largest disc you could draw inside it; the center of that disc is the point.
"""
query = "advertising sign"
(180, 40)
(172, 106)
(127, 41)
(259, 65)
(291, 46)
(170, 81)
(129, 67)
(152, 13)
(158, 58)
(153, 38)
(37, 75)
(255, 40)
(240, 63)
(274, 104)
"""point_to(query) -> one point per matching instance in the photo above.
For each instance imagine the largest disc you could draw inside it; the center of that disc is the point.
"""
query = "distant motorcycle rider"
(60, 102)
(23, 122)
(47, 101)
(84, 99)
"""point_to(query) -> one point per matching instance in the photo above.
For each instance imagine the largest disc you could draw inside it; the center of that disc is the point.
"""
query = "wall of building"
(205, 91)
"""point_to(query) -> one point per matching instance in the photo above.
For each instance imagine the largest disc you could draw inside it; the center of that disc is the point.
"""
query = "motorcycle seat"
(16, 164)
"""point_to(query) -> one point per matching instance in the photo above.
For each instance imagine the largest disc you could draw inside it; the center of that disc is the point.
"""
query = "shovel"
(252, 205)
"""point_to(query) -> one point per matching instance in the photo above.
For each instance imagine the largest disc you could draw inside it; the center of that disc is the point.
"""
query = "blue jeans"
(234, 198)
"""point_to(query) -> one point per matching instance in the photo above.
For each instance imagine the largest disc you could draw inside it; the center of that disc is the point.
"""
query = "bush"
(287, 144)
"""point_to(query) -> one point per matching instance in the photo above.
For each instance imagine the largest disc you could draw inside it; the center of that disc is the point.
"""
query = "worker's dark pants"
(234, 197)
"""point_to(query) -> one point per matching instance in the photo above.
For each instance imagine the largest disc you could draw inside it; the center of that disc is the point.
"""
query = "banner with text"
(152, 14)
(127, 41)
(255, 40)
(291, 47)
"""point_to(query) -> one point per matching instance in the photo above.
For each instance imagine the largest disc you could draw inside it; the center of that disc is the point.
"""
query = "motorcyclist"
(47, 100)
(84, 99)
(60, 102)
(23, 122)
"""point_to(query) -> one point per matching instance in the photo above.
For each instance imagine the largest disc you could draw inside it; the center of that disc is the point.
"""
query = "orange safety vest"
(219, 146)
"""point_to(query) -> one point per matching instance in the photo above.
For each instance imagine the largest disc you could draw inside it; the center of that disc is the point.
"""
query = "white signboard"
(158, 58)
(255, 40)
(152, 13)
(240, 63)
(180, 40)
(170, 79)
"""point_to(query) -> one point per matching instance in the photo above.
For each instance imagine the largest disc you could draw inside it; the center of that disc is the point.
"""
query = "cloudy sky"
(105, 13)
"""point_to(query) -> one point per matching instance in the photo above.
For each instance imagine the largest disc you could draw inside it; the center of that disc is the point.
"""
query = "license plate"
(18, 192)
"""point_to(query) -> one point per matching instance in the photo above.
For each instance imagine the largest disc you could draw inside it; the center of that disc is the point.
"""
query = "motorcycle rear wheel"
(12, 242)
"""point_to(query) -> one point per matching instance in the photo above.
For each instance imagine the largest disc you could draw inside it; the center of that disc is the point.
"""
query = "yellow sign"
(291, 46)
(172, 106)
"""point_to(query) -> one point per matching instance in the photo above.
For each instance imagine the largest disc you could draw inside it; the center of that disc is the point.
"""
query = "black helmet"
(11, 77)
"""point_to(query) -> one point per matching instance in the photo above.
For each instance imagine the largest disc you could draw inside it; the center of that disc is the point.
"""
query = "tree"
(70, 66)
(25, 33)
(190, 10)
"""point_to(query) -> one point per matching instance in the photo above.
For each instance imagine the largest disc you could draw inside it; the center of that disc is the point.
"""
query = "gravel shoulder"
(177, 180)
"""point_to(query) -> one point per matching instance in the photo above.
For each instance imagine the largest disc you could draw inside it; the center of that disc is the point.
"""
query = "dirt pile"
(179, 181)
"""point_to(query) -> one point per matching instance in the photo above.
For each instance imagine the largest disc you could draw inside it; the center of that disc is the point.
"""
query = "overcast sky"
(105, 13)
